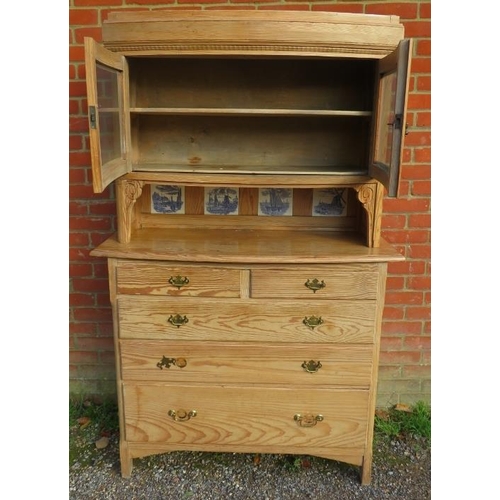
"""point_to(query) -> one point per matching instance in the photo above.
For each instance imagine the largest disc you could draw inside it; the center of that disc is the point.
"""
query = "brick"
(82, 356)
(424, 83)
(77, 208)
(79, 254)
(417, 342)
(408, 206)
(79, 158)
(79, 239)
(416, 172)
(76, 54)
(90, 285)
(391, 312)
(421, 65)
(81, 33)
(81, 299)
(77, 175)
(421, 188)
(387, 372)
(416, 371)
(82, 16)
(181, 2)
(74, 106)
(394, 221)
(284, 7)
(418, 138)
(419, 101)
(403, 10)
(82, 329)
(401, 328)
(420, 220)
(413, 313)
(80, 270)
(407, 267)
(77, 89)
(78, 124)
(87, 3)
(407, 237)
(95, 344)
(395, 283)
(423, 119)
(350, 7)
(423, 48)
(399, 357)
(419, 282)
(425, 10)
(422, 155)
(75, 141)
(90, 223)
(417, 29)
(420, 252)
(391, 344)
(91, 314)
(403, 297)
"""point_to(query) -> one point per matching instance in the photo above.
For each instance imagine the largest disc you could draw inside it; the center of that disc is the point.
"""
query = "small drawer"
(246, 320)
(144, 278)
(223, 363)
(242, 415)
(356, 281)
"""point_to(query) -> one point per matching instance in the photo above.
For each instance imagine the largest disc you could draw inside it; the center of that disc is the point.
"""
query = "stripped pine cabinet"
(251, 153)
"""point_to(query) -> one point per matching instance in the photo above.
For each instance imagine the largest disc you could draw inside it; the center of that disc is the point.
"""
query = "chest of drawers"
(247, 357)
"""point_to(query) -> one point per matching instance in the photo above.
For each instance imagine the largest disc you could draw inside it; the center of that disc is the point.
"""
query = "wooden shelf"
(252, 169)
(250, 112)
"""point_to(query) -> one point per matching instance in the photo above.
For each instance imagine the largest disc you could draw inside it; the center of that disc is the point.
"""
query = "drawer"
(218, 362)
(246, 320)
(144, 278)
(357, 281)
(239, 415)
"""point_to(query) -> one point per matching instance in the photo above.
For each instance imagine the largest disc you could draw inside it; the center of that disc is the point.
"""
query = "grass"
(88, 422)
(401, 421)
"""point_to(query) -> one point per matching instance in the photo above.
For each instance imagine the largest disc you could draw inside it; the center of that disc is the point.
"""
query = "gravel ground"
(401, 470)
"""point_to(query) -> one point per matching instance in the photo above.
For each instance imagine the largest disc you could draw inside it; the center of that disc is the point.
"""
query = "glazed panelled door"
(107, 85)
(390, 126)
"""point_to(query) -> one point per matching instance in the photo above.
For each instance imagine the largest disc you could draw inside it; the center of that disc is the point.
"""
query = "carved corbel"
(371, 197)
(127, 193)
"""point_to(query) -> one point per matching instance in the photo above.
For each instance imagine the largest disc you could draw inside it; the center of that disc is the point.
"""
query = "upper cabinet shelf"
(248, 112)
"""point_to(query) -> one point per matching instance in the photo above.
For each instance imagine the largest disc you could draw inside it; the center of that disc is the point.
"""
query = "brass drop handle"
(313, 321)
(181, 415)
(315, 284)
(307, 420)
(178, 320)
(311, 366)
(179, 281)
(167, 362)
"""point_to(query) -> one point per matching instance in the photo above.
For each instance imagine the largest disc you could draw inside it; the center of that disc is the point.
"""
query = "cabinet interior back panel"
(164, 142)
(252, 83)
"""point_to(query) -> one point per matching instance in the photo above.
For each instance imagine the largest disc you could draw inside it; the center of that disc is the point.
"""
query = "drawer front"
(345, 282)
(142, 278)
(246, 320)
(201, 415)
(217, 362)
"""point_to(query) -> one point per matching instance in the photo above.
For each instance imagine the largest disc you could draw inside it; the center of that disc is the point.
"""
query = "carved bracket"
(127, 194)
(371, 197)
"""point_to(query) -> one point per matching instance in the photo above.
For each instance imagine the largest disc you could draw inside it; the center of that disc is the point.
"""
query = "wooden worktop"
(246, 246)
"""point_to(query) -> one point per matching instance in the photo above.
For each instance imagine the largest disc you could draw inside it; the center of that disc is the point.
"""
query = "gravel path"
(401, 470)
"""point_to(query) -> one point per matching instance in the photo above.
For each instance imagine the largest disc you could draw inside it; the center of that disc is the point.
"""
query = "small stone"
(102, 443)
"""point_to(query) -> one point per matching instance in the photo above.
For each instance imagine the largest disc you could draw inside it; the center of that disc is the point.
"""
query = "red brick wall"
(405, 351)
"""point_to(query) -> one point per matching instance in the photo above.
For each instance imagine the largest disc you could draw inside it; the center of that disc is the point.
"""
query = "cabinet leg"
(125, 460)
(366, 470)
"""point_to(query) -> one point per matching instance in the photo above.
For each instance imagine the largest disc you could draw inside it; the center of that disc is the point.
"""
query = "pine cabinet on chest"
(250, 154)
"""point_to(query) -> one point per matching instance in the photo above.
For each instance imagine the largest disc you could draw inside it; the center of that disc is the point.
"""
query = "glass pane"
(387, 99)
(108, 101)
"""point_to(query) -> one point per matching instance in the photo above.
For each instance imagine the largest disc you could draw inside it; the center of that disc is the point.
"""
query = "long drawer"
(246, 320)
(341, 282)
(191, 414)
(216, 362)
(146, 278)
